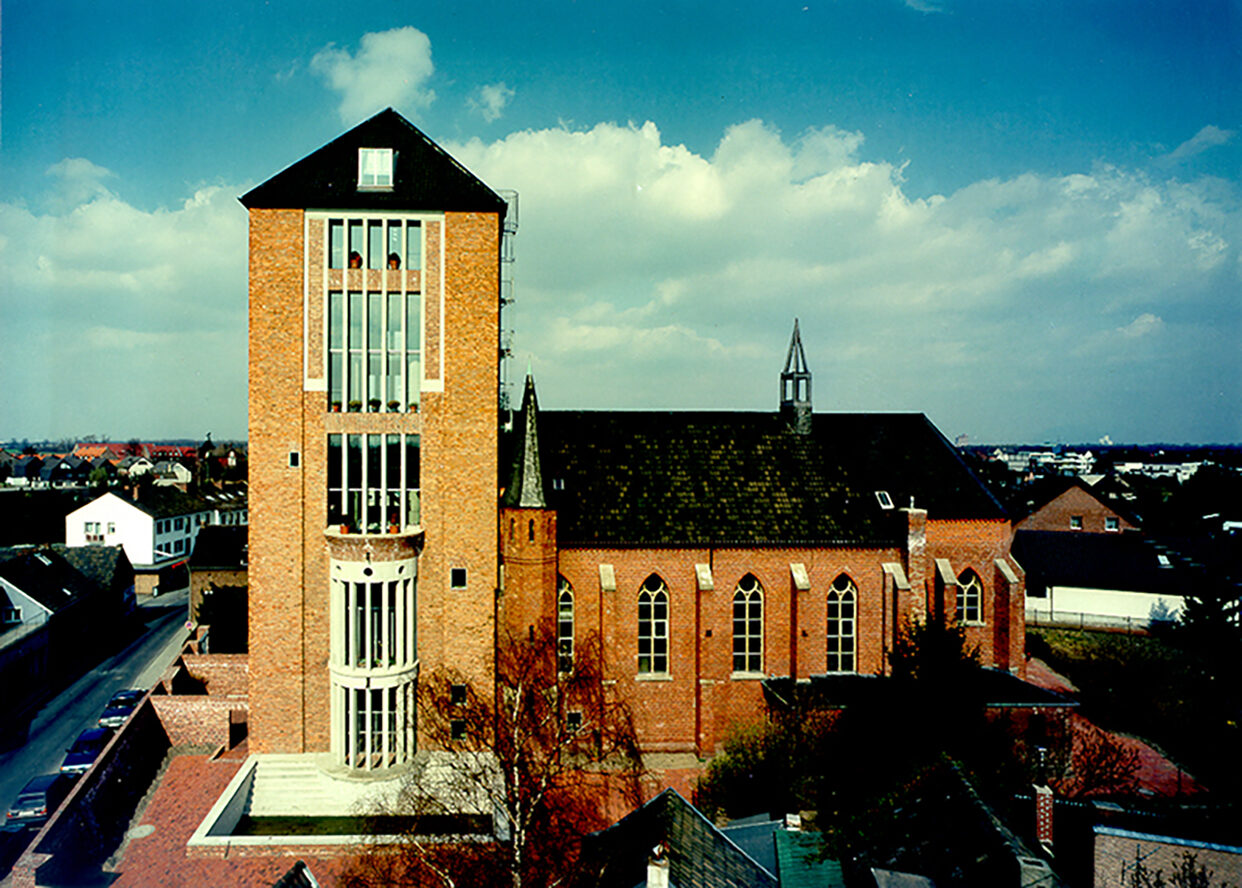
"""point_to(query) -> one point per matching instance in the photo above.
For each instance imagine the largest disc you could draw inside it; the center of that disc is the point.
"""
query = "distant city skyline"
(1021, 220)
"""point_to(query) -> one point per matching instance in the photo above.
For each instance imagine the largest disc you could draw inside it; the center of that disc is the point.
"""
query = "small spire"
(525, 488)
(796, 386)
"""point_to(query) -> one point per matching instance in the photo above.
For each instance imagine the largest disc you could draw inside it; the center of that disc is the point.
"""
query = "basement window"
(375, 169)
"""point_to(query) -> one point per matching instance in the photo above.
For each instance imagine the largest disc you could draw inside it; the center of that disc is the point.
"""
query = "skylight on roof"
(886, 502)
(375, 169)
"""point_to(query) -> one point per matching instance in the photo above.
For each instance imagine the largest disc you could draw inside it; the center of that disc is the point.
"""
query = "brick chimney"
(1043, 817)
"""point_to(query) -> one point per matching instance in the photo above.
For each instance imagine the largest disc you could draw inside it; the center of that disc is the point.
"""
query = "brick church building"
(400, 521)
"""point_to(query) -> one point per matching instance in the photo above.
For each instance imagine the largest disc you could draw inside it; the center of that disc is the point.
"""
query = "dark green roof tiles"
(688, 478)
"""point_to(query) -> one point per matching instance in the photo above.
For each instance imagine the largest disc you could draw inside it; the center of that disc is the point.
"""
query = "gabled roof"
(220, 546)
(688, 478)
(698, 853)
(45, 576)
(159, 502)
(425, 177)
(1124, 562)
(106, 566)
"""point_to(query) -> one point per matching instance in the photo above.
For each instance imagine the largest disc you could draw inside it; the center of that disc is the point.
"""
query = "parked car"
(85, 750)
(119, 707)
(35, 803)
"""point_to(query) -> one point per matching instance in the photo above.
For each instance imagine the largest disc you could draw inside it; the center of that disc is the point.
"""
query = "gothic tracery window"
(653, 627)
(748, 625)
(969, 598)
(564, 626)
(842, 625)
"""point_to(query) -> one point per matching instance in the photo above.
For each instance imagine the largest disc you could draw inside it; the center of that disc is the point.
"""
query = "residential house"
(60, 611)
(157, 531)
(1070, 504)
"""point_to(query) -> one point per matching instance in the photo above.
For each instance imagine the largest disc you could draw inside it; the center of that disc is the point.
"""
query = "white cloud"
(1208, 137)
(924, 6)
(652, 275)
(1145, 324)
(391, 69)
(116, 318)
(490, 100)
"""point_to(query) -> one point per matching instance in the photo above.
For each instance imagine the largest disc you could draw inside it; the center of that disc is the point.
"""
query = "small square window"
(295, 459)
(1112, 523)
(457, 695)
(457, 578)
(374, 169)
(573, 720)
(111, 527)
(457, 729)
(1075, 522)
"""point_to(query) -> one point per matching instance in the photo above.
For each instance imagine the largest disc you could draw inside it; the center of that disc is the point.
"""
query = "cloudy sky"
(1022, 219)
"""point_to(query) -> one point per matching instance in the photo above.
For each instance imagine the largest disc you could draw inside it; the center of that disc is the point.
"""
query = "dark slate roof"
(166, 502)
(800, 865)
(219, 546)
(45, 576)
(700, 855)
(425, 177)
(698, 478)
(107, 567)
(1029, 499)
(991, 688)
(525, 488)
(1121, 561)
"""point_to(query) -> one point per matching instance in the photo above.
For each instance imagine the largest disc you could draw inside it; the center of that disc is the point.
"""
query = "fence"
(1060, 619)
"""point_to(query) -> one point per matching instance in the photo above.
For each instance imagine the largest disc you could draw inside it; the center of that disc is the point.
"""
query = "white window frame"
(375, 169)
(969, 604)
(841, 628)
(748, 627)
(653, 653)
(564, 626)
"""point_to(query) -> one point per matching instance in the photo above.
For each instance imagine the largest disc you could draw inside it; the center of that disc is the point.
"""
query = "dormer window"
(375, 169)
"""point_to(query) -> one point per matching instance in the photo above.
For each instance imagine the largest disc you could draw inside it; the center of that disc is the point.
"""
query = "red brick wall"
(277, 625)
(459, 451)
(224, 675)
(1075, 501)
(697, 704)
(1115, 853)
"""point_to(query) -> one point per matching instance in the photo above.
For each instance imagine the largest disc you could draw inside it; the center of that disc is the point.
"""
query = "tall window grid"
(969, 598)
(748, 625)
(373, 481)
(376, 733)
(378, 623)
(374, 336)
(653, 627)
(564, 626)
(842, 625)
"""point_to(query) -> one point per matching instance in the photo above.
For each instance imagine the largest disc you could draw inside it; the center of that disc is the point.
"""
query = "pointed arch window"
(748, 625)
(653, 627)
(564, 625)
(842, 625)
(969, 598)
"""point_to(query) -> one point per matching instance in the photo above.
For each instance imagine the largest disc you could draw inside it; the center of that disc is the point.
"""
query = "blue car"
(84, 751)
(35, 803)
(120, 706)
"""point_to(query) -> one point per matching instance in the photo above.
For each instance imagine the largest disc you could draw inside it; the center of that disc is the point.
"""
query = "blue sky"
(1020, 218)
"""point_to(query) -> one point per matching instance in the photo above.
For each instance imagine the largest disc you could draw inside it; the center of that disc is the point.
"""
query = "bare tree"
(1090, 761)
(538, 760)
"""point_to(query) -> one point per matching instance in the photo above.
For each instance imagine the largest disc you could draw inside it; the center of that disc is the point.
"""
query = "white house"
(157, 531)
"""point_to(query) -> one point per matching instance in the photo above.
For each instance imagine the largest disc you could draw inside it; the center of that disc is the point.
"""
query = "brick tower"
(374, 325)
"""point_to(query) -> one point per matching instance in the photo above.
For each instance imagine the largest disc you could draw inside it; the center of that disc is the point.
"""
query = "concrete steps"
(295, 786)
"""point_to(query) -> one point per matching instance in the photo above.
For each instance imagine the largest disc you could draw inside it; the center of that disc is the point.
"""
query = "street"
(56, 725)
